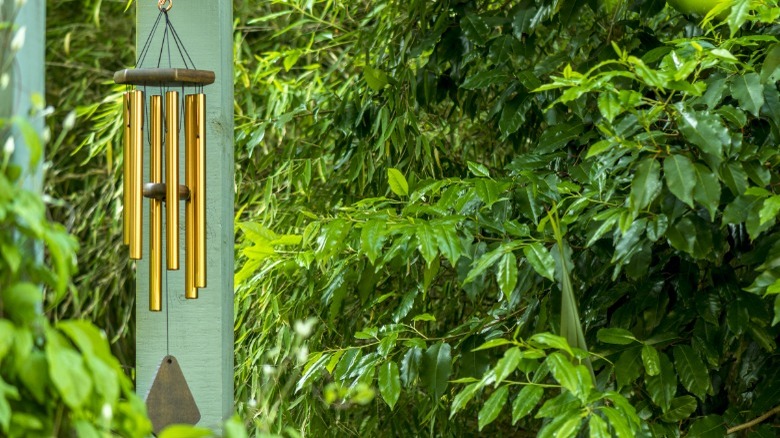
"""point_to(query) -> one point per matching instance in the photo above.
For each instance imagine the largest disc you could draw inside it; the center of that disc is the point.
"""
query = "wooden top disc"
(172, 77)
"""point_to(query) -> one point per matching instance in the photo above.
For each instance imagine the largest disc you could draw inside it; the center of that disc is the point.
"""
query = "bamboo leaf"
(492, 407)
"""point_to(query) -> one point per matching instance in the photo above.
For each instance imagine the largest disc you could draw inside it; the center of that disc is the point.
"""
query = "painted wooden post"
(25, 89)
(199, 333)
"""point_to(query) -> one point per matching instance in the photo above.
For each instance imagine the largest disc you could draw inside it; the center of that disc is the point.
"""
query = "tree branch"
(755, 421)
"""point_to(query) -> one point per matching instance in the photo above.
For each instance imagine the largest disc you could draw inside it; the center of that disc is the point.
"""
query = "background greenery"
(584, 189)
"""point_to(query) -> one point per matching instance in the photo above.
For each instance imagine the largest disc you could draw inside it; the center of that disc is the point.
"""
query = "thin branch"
(755, 421)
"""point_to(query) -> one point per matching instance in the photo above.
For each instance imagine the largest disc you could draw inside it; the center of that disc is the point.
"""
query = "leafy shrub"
(55, 379)
(445, 184)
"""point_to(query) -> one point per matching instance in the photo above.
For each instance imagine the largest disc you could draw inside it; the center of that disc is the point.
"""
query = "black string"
(169, 33)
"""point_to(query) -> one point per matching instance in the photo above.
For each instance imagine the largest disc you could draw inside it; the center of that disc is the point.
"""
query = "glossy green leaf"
(410, 366)
(507, 364)
(492, 407)
(506, 275)
(67, 371)
(185, 431)
(564, 372)
(680, 177)
(550, 340)
(616, 336)
(651, 360)
(557, 136)
(427, 242)
(598, 428)
(711, 426)
(609, 105)
(704, 129)
(485, 261)
(478, 170)
(618, 422)
(485, 79)
(691, 370)
(540, 259)
(372, 238)
(397, 182)
(526, 401)
(436, 368)
(475, 28)
(646, 184)
(389, 383)
(749, 91)
(680, 409)
(628, 367)
(464, 397)
(375, 78)
(707, 189)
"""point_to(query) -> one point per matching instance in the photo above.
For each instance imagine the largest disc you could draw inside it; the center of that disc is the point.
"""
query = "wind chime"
(160, 115)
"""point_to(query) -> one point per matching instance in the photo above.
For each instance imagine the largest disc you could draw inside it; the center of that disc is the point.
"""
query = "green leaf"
(485, 261)
(616, 336)
(372, 238)
(185, 431)
(749, 92)
(485, 79)
(464, 397)
(506, 275)
(646, 184)
(771, 66)
(663, 386)
(291, 58)
(598, 427)
(23, 302)
(609, 105)
(526, 401)
(618, 423)
(475, 28)
(628, 367)
(397, 181)
(680, 409)
(769, 209)
(513, 114)
(651, 360)
(691, 370)
(436, 368)
(550, 340)
(389, 383)
(557, 136)
(493, 343)
(564, 372)
(707, 189)
(540, 259)
(704, 129)
(449, 243)
(711, 426)
(478, 170)
(67, 371)
(680, 177)
(427, 241)
(375, 78)
(740, 10)
(492, 407)
(507, 364)
(410, 366)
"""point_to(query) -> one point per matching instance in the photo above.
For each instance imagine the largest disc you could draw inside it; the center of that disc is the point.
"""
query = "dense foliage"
(55, 379)
(517, 217)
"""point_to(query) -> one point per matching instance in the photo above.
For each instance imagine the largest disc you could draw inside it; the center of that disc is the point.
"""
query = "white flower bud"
(9, 147)
(5, 79)
(303, 354)
(268, 370)
(18, 41)
(305, 328)
(107, 413)
(70, 121)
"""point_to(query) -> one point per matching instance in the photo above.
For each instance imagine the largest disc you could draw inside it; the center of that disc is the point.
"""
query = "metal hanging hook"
(161, 5)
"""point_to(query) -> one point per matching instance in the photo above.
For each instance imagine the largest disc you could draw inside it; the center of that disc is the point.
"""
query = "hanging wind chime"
(160, 115)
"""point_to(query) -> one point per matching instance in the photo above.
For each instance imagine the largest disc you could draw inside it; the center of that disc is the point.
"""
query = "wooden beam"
(198, 333)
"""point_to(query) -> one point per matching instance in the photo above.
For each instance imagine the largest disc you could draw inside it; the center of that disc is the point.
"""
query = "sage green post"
(199, 333)
(24, 94)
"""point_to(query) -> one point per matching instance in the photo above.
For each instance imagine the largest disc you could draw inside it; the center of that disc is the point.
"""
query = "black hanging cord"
(168, 34)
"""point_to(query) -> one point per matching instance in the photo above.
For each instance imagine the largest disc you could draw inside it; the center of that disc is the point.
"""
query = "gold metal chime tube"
(136, 172)
(190, 290)
(126, 214)
(172, 178)
(200, 190)
(155, 222)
